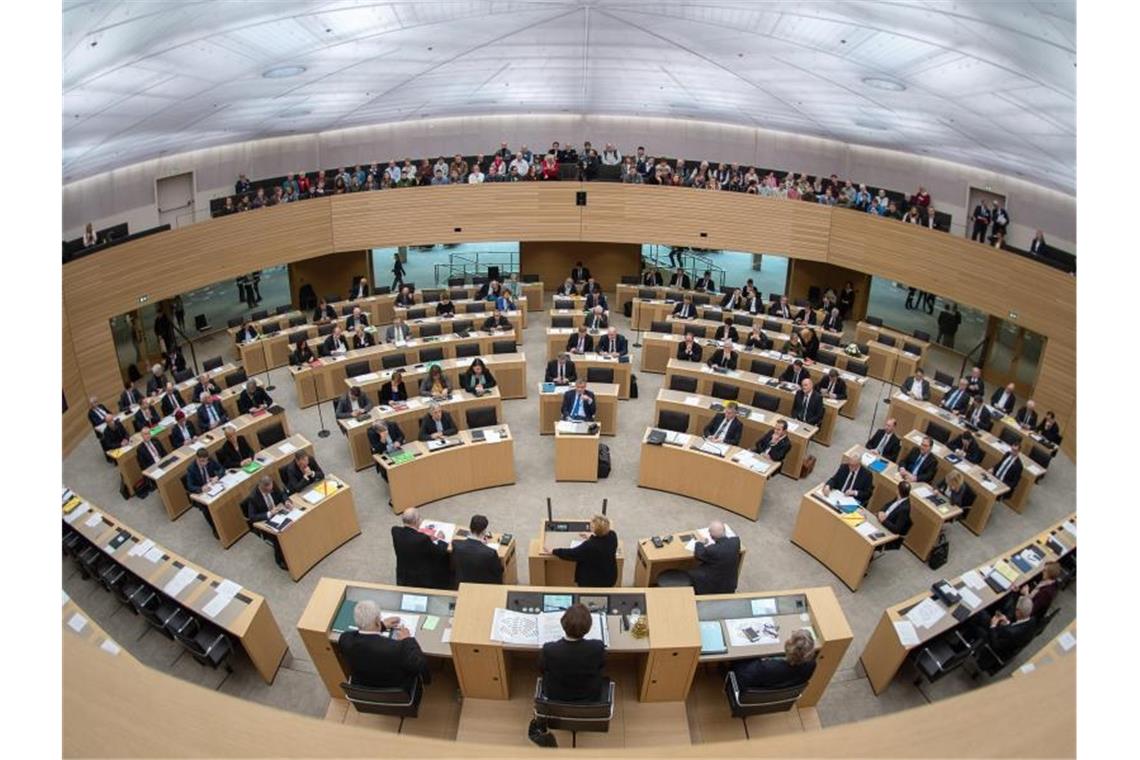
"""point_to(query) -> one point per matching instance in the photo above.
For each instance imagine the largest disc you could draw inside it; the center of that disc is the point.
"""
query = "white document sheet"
(737, 638)
(448, 529)
(514, 627)
(907, 634)
(491, 436)
(77, 622)
(409, 621)
(926, 613)
(153, 554)
(969, 598)
(973, 579)
(180, 581)
(76, 513)
(1067, 641)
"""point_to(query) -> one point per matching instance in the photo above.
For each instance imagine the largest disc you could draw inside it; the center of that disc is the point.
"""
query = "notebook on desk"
(712, 638)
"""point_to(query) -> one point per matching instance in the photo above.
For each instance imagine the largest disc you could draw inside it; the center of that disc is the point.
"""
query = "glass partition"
(433, 265)
(767, 271)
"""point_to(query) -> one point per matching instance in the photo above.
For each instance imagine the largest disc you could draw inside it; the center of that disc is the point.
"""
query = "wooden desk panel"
(509, 371)
(823, 534)
(320, 530)
(605, 397)
(651, 561)
(576, 456)
(987, 489)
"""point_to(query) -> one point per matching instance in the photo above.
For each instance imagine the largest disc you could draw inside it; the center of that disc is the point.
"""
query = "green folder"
(402, 456)
(252, 467)
(344, 620)
(157, 429)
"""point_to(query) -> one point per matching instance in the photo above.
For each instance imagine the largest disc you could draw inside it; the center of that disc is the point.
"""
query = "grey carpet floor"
(773, 562)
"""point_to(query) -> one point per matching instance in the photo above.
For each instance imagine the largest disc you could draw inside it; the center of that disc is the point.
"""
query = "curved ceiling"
(989, 84)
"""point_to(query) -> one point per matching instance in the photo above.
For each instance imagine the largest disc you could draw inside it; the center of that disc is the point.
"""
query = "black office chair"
(271, 329)
(112, 575)
(431, 329)
(629, 279)
(683, 383)
(912, 348)
(295, 336)
(765, 401)
(271, 435)
(938, 432)
(381, 290)
(479, 279)
(561, 320)
(482, 416)
(599, 375)
(463, 350)
(876, 321)
(297, 321)
(713, 315)
(417, 313)
(1040, 456)
(212, 363)
(771, 325)
(356, 369)
(127, 590)
(698, 331)
(943, 379)
(346, 310)
(182, 375)
(742, 319)
(857, 368)
(825, 357)
(235, 322)
(941, 656)
(922, 335)
(753, 701)
(207, 644)
(674, 295)
(431, 296)
(678, 422)
(592, 716)
(886, 340)
(284, 308)
(646, 293)
(258, 315)
(388, 361)
(801, 303)
(158, 610)
(1010, 436)
(401, 702)
(462, 325)
(456, 282)
(431, 354)
(725, 391)
(458, 294)
(830, 339)
(322, 350)
(528, 278)
(325, 330)
(235, 378)
(864, 348)
(563, 303)
(477, 307)
(700, 299)
(503, 347)
(763, 368)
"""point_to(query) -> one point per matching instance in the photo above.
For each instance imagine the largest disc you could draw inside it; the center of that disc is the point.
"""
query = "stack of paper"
(215, 489)
(973, 579)
(447, 528)
(990, 485)
(314, 496)
(287, 447)
(231, 479)
(709, 447)
(925, 614)
(1009, 571)
(864, 528)
(907, 634)
(692, 400)
(764, 606)
(1071, 527)
(180, 581)
(93, 520)
(411, 622)
(969, 598)
(141, 548)
(923, 491)
(491, 436)
(752, 631)
(679, 439)
(226, 591)
(867, 458)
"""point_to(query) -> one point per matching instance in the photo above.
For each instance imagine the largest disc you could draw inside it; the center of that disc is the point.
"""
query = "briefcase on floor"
(940, 553)
(808, 465)
(603, 460)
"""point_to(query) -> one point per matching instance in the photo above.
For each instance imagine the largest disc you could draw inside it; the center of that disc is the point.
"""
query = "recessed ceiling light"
(882, 83)
(283, 72)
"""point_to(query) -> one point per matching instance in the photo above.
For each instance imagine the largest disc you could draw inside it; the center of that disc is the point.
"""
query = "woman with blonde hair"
(794, 668)
(595, 559)
(954, 489)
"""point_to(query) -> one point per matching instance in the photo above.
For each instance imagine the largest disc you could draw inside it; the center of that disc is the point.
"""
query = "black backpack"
(940, 553)
(633, 386)
(603, 460)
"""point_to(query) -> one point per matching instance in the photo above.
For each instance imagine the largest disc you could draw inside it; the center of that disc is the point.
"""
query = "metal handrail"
(697, 263)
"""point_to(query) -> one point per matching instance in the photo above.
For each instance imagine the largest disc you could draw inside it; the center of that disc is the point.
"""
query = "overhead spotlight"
(882, 83)
(283, 72)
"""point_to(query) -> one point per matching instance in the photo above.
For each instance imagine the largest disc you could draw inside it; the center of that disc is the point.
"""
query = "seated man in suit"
(775, 444)
(688, 349)
(612, 344)
(210, 413)
(756, 339)
(204, 472)
(806, 315)
(732, 299)
(680, 280)
(725, 427)
(247, 332)
(360, 290)
(958, 399)
(561, 371)
(596, 299)
(96, 412)
(719, 558)
(361, 338)
(397, 331)
(265, 501)
(323, 313)
(580, 342)
(685, 309)
(405, 298)
(436, 424)
(183, 431)
(129, 397)
(235, 451)
(301, 473)
(497, 321)
(955, 491)
(354, 404)
(1027, 415)
(357, 317)
(851, 479)
(727, 330)
(253, 398)
(475, 561)
(334, 343)
(807, 406)
(205, 385)
(885, 442)
(794, 372)
(966, 447)
(384, 437)
(147, 416)
(422, 557)
(157, 380)
(895, 516)
(578, 403)
(920, 464)
(974, 383)
(794, 668)
(705, 283)
(652, 278)
(833, 386)
(1004, 398)
(445, 307)
(725, 356)
(580, 272)
(977, 414)
(596, 319)
(781, 308)
(171, 400)
(1048, 428)
(382, 653)
(916, 386)
(1008, 470)
(572, 666)
(833, 322)
(115, 435)
(149, 450)
(1005, 637)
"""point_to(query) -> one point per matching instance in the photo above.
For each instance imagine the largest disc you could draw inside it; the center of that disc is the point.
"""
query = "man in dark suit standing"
(807, 406)
(851, 479)
(974, 383)
(561, 371)
(377, 660)
(689, 350)
(719, 558)
(916, 386)
(149, 451)
(981, 221)
(580, 272)
(253, 398)
(774, 444)
(958, 399)
(421, 560)
(301, 473)
(581, 342)
(578, 403)
(1004, 398)
(595, 558)
(725, 427)
(475, 561)
(895, 516)
(1038, 247)
(884, 442)
(920, 464)
(572, 667)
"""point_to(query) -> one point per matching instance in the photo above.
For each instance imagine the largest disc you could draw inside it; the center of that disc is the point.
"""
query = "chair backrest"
(431, 354)
(322, 350)
(430, 296)
(528, 278)
(324, 330)
(938, 432)
(271, 328)
(385, 701)
(876, 321)
(660, 327)
(863, 348)
(284, 308)
(922, 335)
(295, 336)
(801, 303)
(235, 322)
(381, 290)
(725, 391)
(599, 375)
(575, 716)
(701, 299)
(462, 325)
(742, 319)
(683, 383)
(356, 369)
(716, 315)
(503, 347)
(563, 303)
(825, 357)
(771, 325)
(913, 348)
(678, 422)
(332, 297)
(271, 435)
(346, 310)
(453, 282)
(1010, 436)
(674, 295)
(431, 329)
(763, 368)
(479, 279)
(629, 279)
(857, 368)
(182, 375)
(648, 293)
(477, 307)
(458, 294)
(212, 363)
(765, 401)
(830, 339)
(482, 416)
(235, 378)
(562, 320)
(698, 331)
(943, 378)
(753, 701)
(1040, 456)
(297, 321)
(466, 349)
(886, 340)
(417, 313)
(262, 314)
(774, 296)
(393, 360)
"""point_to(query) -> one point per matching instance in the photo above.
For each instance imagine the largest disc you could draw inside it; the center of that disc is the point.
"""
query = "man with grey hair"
(266, 501)
(157, 380)
(719, 558)
(253, 398)
(1007, 638)
(422, 557)
(382, 653)
(210, 413)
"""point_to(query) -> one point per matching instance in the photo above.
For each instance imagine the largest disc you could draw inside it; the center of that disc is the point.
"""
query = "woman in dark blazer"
(235, 451)
(794, 668)
(595, 558)
(394, 389)
(302, 354)
(572, 666)
(477, 379)
(954, 489)
(811, 343)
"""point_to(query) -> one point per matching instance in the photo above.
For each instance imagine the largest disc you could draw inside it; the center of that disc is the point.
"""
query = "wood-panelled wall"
(111, 282)
(803, 274)
(75, 424)
(552, 261)
(328, 274)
